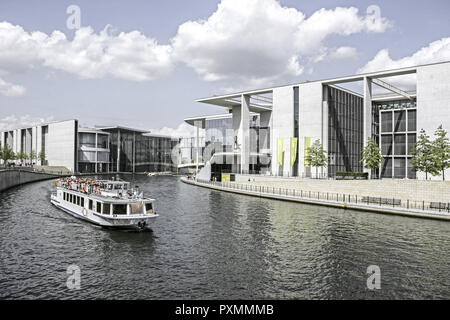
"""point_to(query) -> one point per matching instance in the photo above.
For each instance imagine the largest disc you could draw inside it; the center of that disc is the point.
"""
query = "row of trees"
(7, 154)
(428, 156)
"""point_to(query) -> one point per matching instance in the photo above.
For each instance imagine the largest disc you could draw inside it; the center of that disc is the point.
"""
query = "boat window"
(136, 208)
(78, 200)
(120, 209)
(91, 203)
(99, 207)
(71, 195)
(106, 208)
(82, 201)
(149, 208)
(64, 196)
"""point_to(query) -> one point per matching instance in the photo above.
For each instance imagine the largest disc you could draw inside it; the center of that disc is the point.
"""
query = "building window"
(386, 121)
(386, 144)
(400, 144)
(412, 121)
(411, 142)
(399, 168)
(386, 169)
(400, 121)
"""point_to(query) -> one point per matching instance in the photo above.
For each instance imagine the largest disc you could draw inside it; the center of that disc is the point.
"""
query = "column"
(367, 114)
(134, 152)
(244, 134)
(96, 152)
(118, 150)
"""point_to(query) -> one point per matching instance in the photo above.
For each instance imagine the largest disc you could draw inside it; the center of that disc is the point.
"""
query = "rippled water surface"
(208, 244)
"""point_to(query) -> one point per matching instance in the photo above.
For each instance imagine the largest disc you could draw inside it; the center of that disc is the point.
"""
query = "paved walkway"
(305, 198)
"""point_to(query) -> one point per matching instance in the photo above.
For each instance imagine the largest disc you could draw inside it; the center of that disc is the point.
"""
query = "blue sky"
(151, 79)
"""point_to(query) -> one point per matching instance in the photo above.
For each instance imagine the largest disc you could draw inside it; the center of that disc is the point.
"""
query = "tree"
(42, 157)
(21, 156)
(371, 155)
(32, 156)
(316, 155)
(6, 154)
(423, 158)
(441, 150)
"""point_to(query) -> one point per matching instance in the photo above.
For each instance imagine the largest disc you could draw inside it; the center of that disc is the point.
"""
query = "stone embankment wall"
(413, 190)
(12, 178)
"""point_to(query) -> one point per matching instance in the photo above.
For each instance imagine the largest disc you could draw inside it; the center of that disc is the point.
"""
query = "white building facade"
(342, 120)
(57, 140)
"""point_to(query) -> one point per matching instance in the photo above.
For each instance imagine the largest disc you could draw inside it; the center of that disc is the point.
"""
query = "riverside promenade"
(418, 209)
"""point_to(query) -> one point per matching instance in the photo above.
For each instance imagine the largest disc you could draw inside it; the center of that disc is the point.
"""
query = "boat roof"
(108, 198)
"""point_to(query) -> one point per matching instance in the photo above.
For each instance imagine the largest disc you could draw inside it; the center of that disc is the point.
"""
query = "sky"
(143, 64)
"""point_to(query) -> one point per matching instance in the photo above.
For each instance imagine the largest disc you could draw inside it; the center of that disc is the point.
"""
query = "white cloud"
(129, 56)
(11, 90)
(254, 42)
(436, 51)
(13, 122)
(343, 53)
(183, 130)
(259, 41)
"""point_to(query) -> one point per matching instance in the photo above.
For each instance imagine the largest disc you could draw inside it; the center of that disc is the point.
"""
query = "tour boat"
(108, 203)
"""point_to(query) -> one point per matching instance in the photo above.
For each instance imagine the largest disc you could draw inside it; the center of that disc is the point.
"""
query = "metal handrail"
(345, 198)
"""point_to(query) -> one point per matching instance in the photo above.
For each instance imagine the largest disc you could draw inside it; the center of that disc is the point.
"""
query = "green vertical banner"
(294, 143)
(280, 152)
(307, 146)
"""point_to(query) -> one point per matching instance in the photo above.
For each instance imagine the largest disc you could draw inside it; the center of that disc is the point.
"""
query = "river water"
(213, 245)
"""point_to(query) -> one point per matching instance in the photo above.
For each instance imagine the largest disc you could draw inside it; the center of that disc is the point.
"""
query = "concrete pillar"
(244, 134)
(134, 152)
(96, 152)
(367, 113)
(118, 150)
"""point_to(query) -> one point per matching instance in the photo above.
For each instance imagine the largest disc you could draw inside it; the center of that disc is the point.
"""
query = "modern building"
(391, 108)
(95, 150)
(57, 140)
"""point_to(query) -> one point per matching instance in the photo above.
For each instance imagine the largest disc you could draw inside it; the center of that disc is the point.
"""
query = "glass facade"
(133, 151)
(219, 137)
(398, 136)
(220, 133)
(345, 131)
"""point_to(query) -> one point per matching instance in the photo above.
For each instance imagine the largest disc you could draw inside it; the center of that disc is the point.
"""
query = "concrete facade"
(433, 100)
(282, 128)
(58, 140)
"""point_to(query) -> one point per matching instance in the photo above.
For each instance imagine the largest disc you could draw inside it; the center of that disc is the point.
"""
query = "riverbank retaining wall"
(12, 178)
(413, 190)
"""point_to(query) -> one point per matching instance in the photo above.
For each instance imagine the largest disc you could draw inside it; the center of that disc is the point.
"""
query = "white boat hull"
(135, 221)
